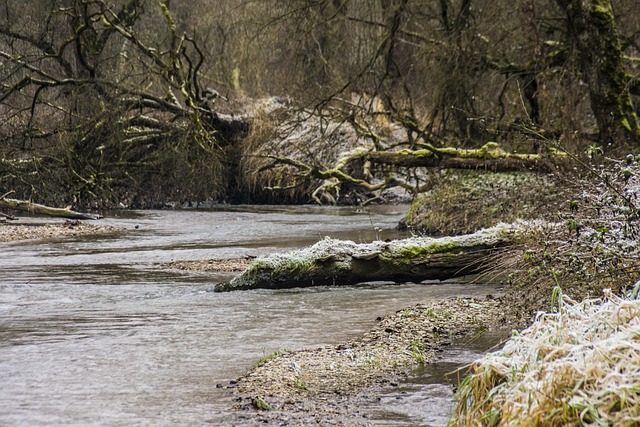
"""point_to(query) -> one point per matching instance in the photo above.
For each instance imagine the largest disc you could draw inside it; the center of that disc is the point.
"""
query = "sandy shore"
(213, 265)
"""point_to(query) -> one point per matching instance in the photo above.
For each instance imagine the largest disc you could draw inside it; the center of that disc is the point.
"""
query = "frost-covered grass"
(594, 245)
(579, 365)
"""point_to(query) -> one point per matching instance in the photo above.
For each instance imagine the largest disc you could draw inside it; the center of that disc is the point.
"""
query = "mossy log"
(488, 157)
(357, 167)
(25, 205)
(339, 262)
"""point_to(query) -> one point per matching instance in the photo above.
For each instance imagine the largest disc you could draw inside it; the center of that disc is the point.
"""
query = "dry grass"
(287, 148)
(579, 365)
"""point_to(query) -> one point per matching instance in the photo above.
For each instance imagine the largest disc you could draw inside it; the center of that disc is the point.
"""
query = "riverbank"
(319, 387)
(11, 231)
(327, 385)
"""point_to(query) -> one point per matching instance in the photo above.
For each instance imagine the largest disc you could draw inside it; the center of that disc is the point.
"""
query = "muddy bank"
(12, 231)
(326, 385)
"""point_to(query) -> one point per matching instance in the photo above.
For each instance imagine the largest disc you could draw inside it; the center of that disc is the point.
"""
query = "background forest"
(142, 102)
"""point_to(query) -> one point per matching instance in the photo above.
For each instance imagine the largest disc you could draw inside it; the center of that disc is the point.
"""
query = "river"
(94, 333)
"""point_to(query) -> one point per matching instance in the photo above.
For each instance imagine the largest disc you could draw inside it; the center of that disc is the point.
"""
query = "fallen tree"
(94, 104)
(25, 205)
(338, 262)
(358, 159)
(489, 157)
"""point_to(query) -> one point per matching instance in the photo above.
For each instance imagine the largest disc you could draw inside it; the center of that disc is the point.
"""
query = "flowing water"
(94, 333)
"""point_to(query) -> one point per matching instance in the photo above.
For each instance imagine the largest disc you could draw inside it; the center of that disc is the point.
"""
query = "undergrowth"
(579, 362)
(593, 245)
(462, 202)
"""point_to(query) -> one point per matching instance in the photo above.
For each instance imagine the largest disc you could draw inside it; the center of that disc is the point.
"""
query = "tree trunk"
(592, 29)
(24, 205)
(336, 262)
(425, 158)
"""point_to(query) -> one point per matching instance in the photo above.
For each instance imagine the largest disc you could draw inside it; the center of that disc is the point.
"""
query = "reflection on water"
(92, 332)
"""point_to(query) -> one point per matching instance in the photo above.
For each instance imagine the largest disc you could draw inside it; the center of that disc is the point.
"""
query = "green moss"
(418, 251)
(491, 149)
(420, 153)
(235, 77)
(261, 404)
(266, 359)
(401, 257)
(603, 7)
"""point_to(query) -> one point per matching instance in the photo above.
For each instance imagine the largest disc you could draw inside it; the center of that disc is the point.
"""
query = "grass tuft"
(579, 365)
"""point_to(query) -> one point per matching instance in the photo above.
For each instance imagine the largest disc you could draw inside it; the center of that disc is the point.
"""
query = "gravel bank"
(11, 231)
(214, 265)
(325, 386)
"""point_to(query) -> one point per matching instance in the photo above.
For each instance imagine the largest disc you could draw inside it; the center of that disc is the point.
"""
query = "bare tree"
(120, 86)
(452, 74)
(115, 93)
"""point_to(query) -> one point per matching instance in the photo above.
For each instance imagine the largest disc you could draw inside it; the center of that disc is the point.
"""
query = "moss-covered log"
(488, 157)
(355, 168)
(24, 205)
(338, 262)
